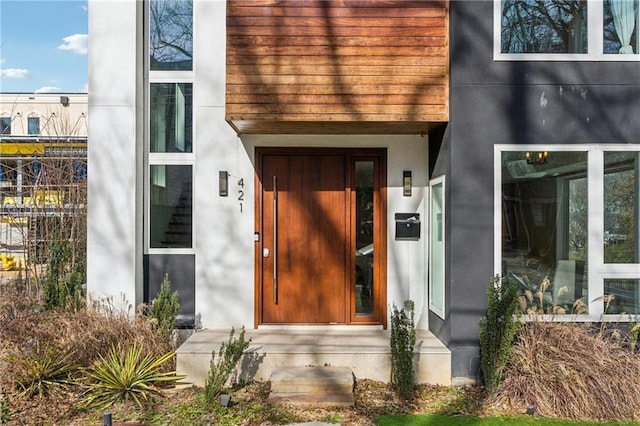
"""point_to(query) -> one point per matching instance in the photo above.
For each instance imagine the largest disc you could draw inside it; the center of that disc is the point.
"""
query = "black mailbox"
(407, 226)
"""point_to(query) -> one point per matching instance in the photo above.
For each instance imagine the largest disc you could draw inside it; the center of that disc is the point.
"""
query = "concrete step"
(365, 351)
(319, 386)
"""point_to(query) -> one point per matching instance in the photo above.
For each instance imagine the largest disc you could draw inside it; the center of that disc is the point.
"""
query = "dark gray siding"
(500, 102)
(182, 275)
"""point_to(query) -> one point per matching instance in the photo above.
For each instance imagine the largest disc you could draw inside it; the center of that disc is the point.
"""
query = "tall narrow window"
(622, 211)
(171, 35)
(364, 188)
(436, 248)
(170, 211)
(171, 112)
(33, 125)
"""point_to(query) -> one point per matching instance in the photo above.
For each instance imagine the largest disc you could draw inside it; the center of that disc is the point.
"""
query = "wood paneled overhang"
(337, 66)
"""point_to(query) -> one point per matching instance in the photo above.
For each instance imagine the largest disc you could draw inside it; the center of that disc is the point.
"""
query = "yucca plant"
(124, 375)
(41, 370)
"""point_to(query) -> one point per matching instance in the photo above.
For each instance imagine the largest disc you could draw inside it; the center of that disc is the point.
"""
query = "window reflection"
(621, 210)
(171, 111)
(554, 26)
(171, 35)
(170, 211)
(623, 296)
(364, 188)
(544, 229)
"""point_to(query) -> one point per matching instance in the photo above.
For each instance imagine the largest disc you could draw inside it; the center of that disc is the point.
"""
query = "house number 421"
(241, 192)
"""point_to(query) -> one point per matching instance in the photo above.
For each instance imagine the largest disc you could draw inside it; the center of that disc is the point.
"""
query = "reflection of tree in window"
(621, 207)
(171, 35)
(578, 219)
(550, 26)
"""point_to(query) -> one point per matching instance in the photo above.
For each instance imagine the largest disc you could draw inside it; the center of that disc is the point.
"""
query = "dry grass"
(568, 370)
(29, 335)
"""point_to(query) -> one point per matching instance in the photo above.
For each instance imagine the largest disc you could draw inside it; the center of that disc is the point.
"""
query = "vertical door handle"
(275, 242)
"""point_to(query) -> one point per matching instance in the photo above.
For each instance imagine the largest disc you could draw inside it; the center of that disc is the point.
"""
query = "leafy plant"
(124, 375)
(498, 330)
(221, 367)
(403, 341)
(63, 285)
(333, 418)
(165, 307)
(41, 370)
(5, 415)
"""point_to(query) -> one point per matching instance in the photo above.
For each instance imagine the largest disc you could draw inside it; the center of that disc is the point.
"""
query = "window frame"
(595, 40)
(5, 130)
(168, 158)
(35, 119)
(597, 270)
(440, 312)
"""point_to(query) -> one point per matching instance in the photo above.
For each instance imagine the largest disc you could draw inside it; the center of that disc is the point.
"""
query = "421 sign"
(241, 193)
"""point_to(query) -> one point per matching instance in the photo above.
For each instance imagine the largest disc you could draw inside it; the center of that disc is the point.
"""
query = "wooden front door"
(306, 258)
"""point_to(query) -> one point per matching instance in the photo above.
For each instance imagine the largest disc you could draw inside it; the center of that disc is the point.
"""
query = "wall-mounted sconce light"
(223, 183)
(406, 183)
(533, 157)
(64, 100)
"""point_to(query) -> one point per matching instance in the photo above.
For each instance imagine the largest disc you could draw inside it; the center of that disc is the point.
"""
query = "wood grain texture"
(336, 62)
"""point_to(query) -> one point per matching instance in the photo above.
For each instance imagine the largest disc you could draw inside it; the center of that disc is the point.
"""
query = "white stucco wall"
(114, 250)
(223, 233)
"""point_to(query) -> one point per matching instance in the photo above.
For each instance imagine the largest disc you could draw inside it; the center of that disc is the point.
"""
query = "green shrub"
(5, 414)
(498, 330)
(403, 341)
(221, 367)
(41, 370)
(124, 375)
(164, 308)
(63, 285)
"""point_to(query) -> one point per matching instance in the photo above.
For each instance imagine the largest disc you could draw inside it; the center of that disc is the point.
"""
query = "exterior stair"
(317, 386)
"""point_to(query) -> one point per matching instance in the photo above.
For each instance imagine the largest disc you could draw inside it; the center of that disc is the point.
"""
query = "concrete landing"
(318, 386)
(364, 351)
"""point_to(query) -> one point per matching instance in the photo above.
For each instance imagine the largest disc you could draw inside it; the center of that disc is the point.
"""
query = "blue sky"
(43, 46)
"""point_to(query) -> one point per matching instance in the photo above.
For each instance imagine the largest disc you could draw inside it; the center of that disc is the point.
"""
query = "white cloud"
(48, 89)
(77, 43)
(14, 73)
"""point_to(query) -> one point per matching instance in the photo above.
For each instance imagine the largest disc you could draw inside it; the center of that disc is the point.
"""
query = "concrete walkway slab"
(316, 386)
